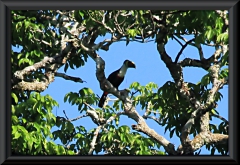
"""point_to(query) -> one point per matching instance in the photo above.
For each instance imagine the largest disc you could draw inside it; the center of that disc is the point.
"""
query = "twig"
(155, 119)
(133, 93)
(177, 40)
(183, 47)
(89, 106)
(65, 115)
(222, 118)
(79, 117)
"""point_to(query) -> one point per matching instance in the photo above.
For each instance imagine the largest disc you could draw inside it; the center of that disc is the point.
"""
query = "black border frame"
(5, 110)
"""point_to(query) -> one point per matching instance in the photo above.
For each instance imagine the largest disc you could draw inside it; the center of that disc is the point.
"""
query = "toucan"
(116, 78)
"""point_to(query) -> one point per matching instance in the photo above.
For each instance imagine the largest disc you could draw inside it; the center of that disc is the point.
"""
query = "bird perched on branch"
(116, 78)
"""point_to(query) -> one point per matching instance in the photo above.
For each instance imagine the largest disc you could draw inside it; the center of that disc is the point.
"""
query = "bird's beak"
(131, 64)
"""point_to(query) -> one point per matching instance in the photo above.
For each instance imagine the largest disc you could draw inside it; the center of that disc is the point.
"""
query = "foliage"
(60, 35)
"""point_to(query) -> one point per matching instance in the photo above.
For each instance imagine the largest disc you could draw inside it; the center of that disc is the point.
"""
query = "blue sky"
(150, 68)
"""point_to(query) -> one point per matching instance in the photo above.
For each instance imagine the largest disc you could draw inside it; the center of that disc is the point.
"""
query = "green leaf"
(60, 150)
(132, 32)
(110, 136)
(122, 137)
(16, 135)
(24, 120)
(14, 130)
(30, 143)
(14, 96)
(81, 13)
(205, 80)
(37, 53)
(103, 137)
(171, 132)
(70, 126)
(31, 101)
(65, 67)
(14, 120)
(37, 96)
(212, 151)
(37, 126)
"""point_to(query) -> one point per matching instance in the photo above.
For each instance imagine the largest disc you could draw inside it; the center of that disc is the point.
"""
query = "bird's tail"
(102, 100)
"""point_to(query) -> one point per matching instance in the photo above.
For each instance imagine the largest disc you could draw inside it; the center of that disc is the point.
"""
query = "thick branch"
(42, 64)
(204, 122)
(142, 126)
(204, 63)
(32, 86)
(199, 112)
(202, 139)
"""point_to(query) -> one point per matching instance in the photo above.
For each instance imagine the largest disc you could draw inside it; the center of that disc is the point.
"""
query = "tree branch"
(93, 143)
(66, 77)
(202, 139)
(204, 122)
(177, 40)
(32, 86)
(42, 64)
(142, 126)
(183, 47)
(204, 63)
(217, 84)
(222, 118)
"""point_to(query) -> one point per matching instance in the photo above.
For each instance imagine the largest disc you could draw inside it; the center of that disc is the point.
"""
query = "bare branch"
(114, 117)
(154, 118)
(66, 77)
(117, 24)
(79, 117)
(93, 143)
(28, 70)
(94, 116)
(65, 115)
(70, 120)
(222, 118)
(177, 40)
(147, 110)
(183, 47)
(204, 63)
(216, 84)
(200, 51)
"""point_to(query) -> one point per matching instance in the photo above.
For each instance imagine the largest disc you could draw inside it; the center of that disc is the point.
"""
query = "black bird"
(116, 78)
